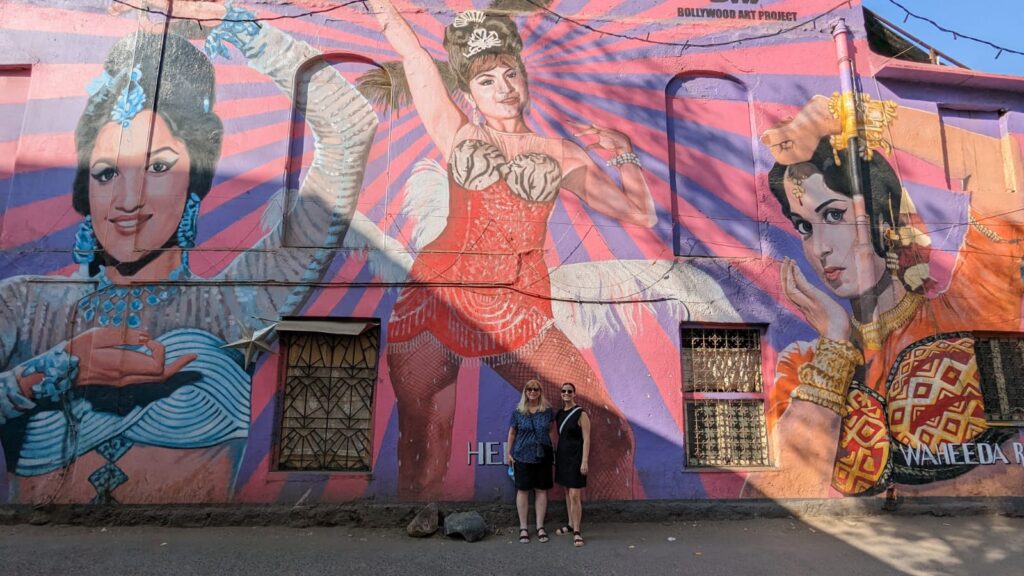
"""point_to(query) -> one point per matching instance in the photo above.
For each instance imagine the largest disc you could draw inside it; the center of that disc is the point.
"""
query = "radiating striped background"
(719, 199)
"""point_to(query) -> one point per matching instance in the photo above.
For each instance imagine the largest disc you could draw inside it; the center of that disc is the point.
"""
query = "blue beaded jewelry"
(130, 101)
(187, 226)
(85, 243)
(117, 306)
(236, 21)
(59, 370)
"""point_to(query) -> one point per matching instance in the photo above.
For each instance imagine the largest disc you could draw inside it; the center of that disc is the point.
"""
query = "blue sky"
(998, 21)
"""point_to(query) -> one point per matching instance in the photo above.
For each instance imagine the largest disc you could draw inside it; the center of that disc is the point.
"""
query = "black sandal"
(524, 536)
(542, 535)
(564, 530)
(577, 539)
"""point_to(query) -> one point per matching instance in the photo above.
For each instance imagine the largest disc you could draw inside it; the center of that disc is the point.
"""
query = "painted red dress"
(483, 288)
(921, 389)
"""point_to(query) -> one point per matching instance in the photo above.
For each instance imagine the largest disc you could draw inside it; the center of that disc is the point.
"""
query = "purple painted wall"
(605, 174)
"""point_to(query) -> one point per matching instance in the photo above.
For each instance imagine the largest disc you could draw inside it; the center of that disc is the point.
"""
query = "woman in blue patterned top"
(529, 438)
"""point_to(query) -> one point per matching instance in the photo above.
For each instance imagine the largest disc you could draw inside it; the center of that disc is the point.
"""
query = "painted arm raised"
(441, 117)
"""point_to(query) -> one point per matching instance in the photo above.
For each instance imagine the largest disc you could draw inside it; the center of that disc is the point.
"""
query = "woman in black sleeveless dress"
(571, 458)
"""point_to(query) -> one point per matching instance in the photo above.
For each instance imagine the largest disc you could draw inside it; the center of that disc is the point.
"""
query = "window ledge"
(275, 476)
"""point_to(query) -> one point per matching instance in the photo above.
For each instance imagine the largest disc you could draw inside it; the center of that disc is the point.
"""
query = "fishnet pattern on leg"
(424, 425)
(554, 361)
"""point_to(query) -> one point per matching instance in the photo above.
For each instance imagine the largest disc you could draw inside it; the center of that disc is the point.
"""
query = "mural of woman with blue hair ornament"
(120, 372)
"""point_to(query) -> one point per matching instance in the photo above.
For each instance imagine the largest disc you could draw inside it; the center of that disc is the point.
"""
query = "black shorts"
(535, 476)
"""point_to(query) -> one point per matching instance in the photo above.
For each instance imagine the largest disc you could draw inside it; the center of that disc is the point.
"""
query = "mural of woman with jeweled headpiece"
(124, 377)
(483, 290)
(869, 403)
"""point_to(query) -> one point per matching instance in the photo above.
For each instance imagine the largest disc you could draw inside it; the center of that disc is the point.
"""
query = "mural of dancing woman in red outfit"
(482, 290)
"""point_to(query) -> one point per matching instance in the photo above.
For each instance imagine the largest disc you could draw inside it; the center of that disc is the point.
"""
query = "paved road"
(990, 545)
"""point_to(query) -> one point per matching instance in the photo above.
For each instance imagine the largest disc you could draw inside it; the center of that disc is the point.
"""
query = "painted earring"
(476, 115)
(892, 252)
(187, 227)
(798, 188)
(85, 243)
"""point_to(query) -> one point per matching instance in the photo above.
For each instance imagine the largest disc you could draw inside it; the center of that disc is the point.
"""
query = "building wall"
(151, 389)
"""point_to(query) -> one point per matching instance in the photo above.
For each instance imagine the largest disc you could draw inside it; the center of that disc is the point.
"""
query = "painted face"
(499, 93)
(137, 187)
(825, 220)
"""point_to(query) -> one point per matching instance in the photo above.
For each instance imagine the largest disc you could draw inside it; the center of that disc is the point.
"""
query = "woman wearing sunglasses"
(530, 453)
(571, 459)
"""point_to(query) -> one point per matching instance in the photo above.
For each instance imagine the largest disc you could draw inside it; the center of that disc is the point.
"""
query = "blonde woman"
(504, 181)
(530, 453)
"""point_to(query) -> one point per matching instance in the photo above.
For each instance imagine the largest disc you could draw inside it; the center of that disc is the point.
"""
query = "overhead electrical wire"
(956, 35)
(171, 16)
(540, 8)
(645, 39)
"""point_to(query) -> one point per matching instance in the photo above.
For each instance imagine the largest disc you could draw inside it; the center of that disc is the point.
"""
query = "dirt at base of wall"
(376, 515)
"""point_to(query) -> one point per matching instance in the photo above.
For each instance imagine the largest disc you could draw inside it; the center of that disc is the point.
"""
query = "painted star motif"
(252, 341)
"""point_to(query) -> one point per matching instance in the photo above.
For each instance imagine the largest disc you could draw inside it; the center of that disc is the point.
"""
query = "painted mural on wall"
(895, 388)
(503, 179)
(512, 196)
(118, 385)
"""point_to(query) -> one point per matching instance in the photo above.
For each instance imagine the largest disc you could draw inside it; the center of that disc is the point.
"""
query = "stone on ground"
(425, 523)
(469, 525)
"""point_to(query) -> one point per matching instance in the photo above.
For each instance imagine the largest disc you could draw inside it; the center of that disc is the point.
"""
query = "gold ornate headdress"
(864, 118)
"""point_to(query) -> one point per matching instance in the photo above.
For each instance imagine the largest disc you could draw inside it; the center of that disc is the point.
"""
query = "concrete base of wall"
(372, 515)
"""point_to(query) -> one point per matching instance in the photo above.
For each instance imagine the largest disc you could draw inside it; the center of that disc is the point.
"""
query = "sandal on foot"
(524, 536)
(564, 530)
(542, 535)
(577, 539)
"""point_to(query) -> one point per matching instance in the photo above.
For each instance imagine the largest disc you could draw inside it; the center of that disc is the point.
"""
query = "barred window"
(723, 394)
(327, 401)
(1001, 367)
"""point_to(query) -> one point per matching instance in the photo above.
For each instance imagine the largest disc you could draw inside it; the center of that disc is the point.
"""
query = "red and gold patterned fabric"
(922, 389)
(935, 394)
(863, 444)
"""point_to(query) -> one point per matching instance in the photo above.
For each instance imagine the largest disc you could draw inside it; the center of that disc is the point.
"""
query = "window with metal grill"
(327, 399)
(1001, 367)
(723, 394)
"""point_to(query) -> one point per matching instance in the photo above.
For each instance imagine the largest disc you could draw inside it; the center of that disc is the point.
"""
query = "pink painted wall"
(585, 272)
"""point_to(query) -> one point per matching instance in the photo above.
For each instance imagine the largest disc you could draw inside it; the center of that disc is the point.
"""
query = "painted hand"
(607, 138)
(106, 358)
(795, 139)
(822, 312)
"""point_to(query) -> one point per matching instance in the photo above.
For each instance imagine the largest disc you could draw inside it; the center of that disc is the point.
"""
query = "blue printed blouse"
(532, 435)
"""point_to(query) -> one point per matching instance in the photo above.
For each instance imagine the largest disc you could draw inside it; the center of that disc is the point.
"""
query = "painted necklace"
(112, 305)
(873, 334)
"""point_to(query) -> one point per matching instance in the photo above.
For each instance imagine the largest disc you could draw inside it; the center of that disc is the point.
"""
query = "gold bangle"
(817, 377)
(830, 400)
(826, 379)
(832, 367)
